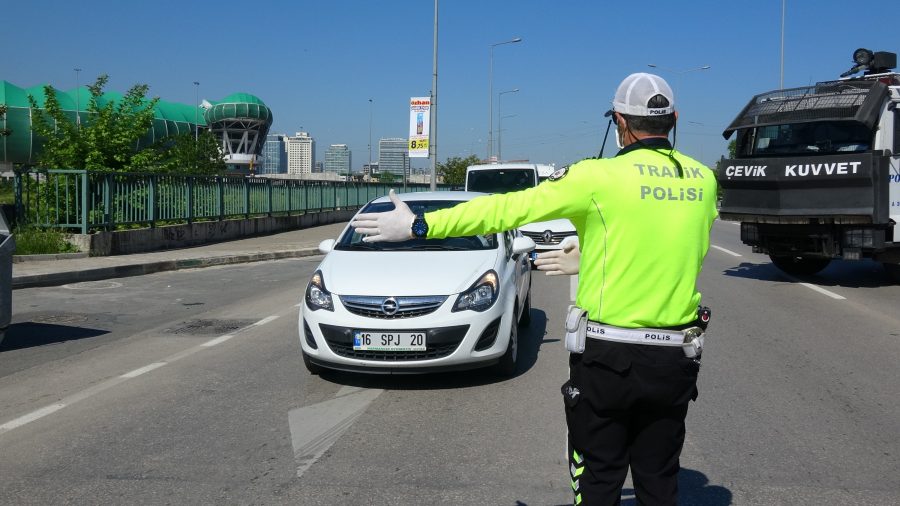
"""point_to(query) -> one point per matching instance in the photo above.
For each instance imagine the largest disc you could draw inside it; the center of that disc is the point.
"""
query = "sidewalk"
(296, 243)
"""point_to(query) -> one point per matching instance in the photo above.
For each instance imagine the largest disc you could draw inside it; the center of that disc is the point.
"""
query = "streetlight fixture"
(196, 110)
(499, 111)
(491, 95)
(77, 104)
(678, 73)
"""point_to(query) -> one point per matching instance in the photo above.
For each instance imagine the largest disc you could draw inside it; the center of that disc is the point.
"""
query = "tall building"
(274, 155)
(337, 159)
(318, 167)
(393, 156)
(301, 153)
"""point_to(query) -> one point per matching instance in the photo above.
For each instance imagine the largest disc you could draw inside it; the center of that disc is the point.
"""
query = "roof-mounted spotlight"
(863, 56)
(871, 62)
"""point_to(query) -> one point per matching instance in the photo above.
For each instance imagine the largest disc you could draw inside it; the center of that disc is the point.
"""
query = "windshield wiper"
(361, 245)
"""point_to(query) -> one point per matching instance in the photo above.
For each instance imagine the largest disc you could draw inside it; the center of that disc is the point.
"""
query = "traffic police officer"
(643, 220)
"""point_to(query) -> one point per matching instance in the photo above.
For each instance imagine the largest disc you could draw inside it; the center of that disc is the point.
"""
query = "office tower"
(393, 156)
(319, 167)
(301, 153)
(274, 155)
(337, 159)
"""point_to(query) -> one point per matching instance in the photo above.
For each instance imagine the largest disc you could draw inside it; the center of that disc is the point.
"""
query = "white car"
(420, 305)
(510, 177)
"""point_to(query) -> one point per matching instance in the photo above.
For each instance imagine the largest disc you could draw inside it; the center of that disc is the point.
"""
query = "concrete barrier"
(123, 242)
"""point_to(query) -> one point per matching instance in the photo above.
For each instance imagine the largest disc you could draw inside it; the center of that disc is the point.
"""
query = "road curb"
(122, 271)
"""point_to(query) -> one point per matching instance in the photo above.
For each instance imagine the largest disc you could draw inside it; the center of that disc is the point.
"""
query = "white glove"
(561, 261)
(390, 226)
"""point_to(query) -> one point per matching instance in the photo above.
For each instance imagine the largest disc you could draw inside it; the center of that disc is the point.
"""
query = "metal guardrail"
(85, 201)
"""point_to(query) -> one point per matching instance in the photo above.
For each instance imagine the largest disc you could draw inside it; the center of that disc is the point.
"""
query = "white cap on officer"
(635, 92)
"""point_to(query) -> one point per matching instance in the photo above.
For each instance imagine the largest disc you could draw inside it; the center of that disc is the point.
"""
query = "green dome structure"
(240, 121)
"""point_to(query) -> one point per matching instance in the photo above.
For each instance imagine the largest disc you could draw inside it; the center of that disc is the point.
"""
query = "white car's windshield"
(352, 241)
(499, 181)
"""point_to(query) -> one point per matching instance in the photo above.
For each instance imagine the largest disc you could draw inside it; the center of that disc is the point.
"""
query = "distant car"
(509, 177)
(420, 305)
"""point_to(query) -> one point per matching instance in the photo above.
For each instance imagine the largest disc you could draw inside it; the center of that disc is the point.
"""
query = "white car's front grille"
(391, 307)
(547, 238)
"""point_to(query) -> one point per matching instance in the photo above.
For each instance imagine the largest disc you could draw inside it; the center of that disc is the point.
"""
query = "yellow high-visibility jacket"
(643, 230)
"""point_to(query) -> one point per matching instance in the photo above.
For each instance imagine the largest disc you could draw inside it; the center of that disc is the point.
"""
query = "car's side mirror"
(326, 245)
(522, 244)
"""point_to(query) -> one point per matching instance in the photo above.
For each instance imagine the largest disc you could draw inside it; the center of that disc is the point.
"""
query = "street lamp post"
(491, 95)
(77, 103)
(370, 136)
(196, 110)
(432, 141)
(500, 136)
(499, 112)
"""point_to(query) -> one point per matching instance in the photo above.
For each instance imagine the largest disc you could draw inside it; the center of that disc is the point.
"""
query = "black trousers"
(625, 406)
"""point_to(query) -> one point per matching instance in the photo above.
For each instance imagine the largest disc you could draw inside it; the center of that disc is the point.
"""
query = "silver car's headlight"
(481, 296)
(317, 297)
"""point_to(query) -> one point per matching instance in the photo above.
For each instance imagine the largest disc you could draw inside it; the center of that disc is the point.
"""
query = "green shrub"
(40, 241)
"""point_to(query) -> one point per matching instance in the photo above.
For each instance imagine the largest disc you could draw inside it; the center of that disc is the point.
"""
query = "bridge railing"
(82, 201)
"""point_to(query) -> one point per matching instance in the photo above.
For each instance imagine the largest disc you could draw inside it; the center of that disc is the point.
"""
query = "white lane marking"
(147, 368)
(823, 291)
(347, 390)
(573, 288)
(218, 340)
(91, 391)
(264, 321)
(732, 253)
(316, 427)
(30, 417)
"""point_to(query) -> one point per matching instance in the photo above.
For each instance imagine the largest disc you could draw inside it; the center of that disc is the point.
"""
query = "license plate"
(376, 340)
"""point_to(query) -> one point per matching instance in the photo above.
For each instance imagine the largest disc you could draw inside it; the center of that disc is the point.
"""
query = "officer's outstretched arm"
(561, 261)
(390, 226)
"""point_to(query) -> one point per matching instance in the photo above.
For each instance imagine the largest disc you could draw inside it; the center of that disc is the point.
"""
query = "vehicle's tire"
(525, 319)
(313, 369)
(799, 265)
(893, 271)
(509, 362)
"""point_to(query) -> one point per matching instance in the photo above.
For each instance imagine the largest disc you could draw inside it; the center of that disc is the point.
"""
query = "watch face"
(419, 228)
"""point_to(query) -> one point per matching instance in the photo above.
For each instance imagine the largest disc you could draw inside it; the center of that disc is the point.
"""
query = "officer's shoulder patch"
(559, 174)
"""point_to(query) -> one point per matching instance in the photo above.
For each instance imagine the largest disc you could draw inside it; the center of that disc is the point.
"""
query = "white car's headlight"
(317, 297)
(482, 294)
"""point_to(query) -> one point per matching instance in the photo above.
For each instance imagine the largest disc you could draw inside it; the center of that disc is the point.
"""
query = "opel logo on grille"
(389, 306)
(547, 236)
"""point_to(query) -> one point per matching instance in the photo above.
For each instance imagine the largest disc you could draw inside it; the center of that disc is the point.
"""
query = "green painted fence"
(78, 200)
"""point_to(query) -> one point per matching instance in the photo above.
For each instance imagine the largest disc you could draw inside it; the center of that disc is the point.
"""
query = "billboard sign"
(419, 126)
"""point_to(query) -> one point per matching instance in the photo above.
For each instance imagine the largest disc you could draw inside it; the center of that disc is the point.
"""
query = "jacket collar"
(648, 143)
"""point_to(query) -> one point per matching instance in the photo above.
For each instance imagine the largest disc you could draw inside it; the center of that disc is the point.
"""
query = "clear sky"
(316, 64)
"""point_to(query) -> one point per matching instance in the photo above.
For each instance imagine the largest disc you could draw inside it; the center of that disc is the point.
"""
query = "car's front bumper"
(454, 341)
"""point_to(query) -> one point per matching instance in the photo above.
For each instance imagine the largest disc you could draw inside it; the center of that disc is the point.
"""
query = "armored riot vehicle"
(816, 173)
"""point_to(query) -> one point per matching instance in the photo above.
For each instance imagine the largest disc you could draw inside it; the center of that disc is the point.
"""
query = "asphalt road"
(187, 388)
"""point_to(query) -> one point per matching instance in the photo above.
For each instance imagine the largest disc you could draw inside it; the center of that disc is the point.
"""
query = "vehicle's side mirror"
(522, 244)
(326, 245)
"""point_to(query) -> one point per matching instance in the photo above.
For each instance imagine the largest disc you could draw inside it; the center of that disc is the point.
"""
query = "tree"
(106, 139)
(182, 154)
(454, 169)
(732, 148)
(387, 177)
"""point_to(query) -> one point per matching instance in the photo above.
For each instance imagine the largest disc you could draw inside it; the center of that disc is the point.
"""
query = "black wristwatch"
(420, 226)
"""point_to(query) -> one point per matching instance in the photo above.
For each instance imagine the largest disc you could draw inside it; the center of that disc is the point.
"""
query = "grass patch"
(40, 241)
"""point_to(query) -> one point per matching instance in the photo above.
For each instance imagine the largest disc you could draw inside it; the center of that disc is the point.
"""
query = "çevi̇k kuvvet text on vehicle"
(816, 173)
